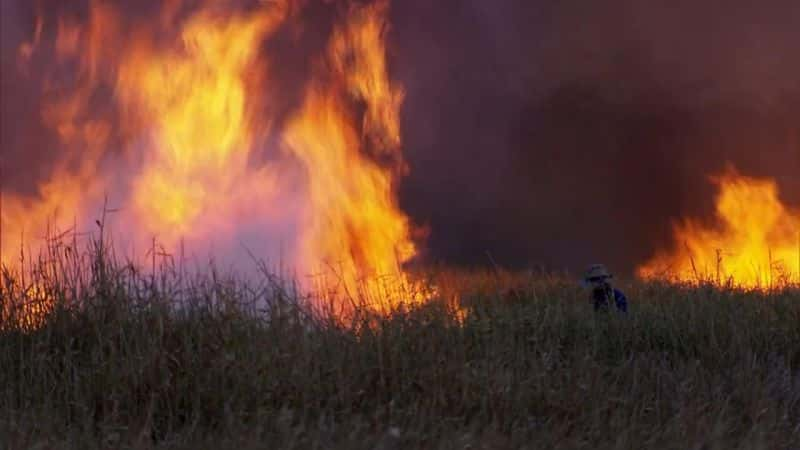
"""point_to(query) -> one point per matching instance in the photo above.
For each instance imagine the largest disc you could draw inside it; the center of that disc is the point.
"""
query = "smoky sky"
(565, 132)
(554, 133)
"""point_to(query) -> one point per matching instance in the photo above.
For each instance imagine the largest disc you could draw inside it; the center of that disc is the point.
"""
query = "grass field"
(524, 363)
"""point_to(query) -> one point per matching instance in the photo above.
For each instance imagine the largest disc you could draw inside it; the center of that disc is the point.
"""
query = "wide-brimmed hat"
(597, 272)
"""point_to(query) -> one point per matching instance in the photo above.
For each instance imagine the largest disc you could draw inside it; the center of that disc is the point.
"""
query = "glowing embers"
(754, 242)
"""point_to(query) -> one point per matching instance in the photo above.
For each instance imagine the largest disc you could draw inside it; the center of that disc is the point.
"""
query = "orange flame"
(192, 100)
(183, 144)
(356, 230)
(755, 243)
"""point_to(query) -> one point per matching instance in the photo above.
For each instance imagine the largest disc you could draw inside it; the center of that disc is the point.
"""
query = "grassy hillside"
(128, 359)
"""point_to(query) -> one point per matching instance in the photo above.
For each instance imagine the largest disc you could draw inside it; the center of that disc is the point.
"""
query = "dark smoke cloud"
(566, 132)
(21, 131)
(537, 131)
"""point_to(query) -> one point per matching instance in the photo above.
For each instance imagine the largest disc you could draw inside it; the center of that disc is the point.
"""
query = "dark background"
(543, 132)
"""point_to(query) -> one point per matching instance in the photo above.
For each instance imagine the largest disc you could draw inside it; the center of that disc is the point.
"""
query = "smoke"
(538, 132)
(563, 133)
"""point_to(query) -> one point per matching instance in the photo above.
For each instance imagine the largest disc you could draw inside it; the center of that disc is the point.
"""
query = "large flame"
(183, 143)
(755, 242)
(356, 229)
(191, 101)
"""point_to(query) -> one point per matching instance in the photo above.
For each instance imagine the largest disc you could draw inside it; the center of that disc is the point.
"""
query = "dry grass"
(130, 359)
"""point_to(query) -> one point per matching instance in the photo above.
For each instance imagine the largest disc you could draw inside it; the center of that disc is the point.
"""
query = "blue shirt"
(602, 296)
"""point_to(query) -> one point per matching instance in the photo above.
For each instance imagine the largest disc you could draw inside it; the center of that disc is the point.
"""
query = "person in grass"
(598, 278)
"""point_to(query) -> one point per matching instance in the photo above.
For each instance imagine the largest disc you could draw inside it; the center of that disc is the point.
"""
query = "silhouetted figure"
(603, 293)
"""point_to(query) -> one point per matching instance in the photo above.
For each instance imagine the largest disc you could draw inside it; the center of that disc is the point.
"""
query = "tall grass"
(99, 353)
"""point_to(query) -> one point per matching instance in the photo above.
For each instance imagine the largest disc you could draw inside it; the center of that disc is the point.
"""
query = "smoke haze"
(561, 133)
(538, 132)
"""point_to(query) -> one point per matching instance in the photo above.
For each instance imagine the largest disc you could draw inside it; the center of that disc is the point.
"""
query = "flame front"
(356, 231)
(188, 148)
(755, 243)
(191, 100)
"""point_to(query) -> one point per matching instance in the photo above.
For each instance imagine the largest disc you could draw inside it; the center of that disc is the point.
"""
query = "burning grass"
(128, 357)
(755, 242)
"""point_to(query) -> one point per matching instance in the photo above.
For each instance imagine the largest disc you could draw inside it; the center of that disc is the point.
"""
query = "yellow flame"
(355, 230)
(182, 140)
(754, 243)
(193, 99)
